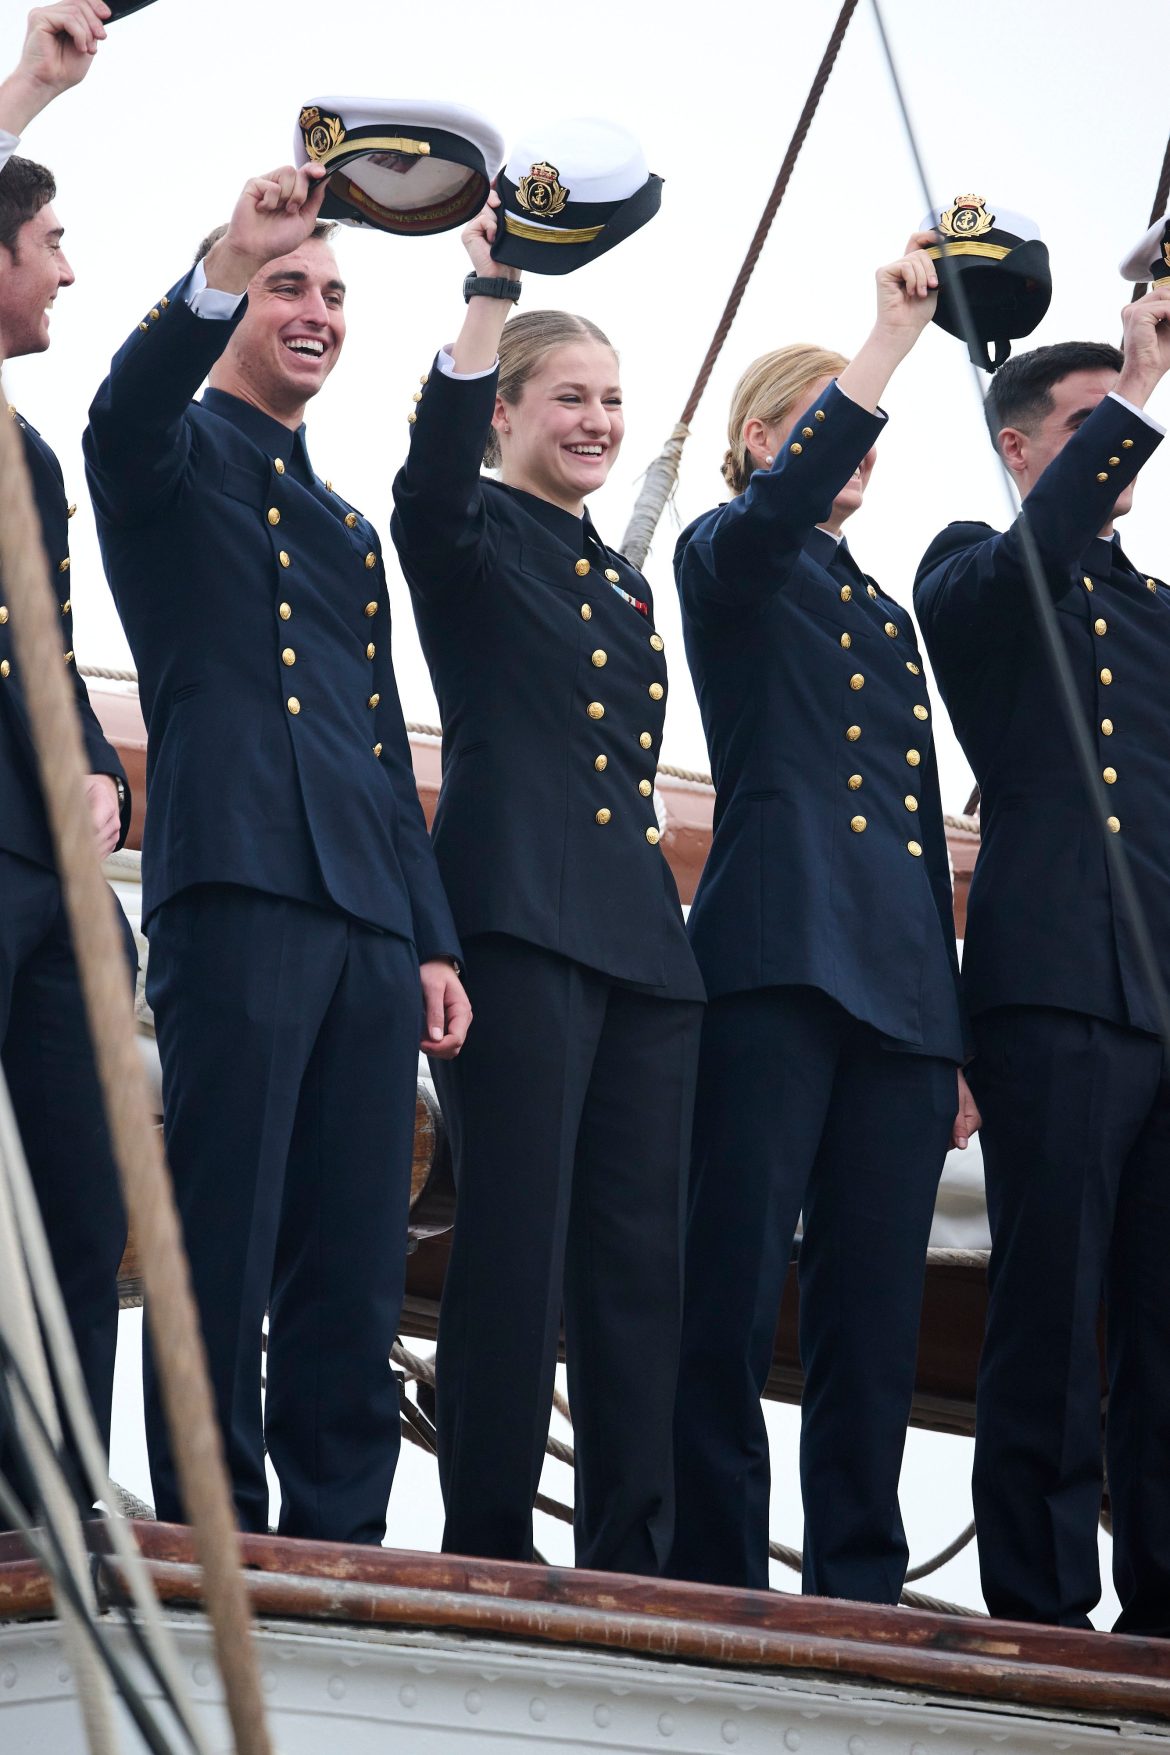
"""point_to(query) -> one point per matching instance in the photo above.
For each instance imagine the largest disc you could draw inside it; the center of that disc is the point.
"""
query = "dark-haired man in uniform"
(44, 1038)
(1070, 1073)
(289, 887)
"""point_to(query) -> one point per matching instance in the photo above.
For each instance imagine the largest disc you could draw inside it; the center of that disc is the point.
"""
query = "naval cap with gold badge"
(569, 192)
(1149, 260)
(405, 165)
(1003, 267)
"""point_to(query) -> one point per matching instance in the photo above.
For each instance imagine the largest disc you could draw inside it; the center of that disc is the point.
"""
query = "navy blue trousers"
(800, 1107)
(289, 1044)
(1076, 1145)
(49, 1065)
(569, 1113)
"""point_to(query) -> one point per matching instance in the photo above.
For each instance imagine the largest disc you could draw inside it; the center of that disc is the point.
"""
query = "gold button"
(602, 816)
(417, 397)
(1113, 462)
(653, 836)
(645, 788)
(154, 313)
(1127, 444)
(284, 558)
(69, 658)
(914, 848)
(612, 576)
(1087, 583)
(857, 824)
(425, 379)
(293, 705)
(599, 659)
(1109, 775)
(370, 649)
(63, 566)
(846, 593)
(913, 668)
(285, 611)
(72, 511)
(857, 681)
(586, 612)
(819, 414)
(1113, 824)
(796, 449)
(595, 710)
(913, 757)
(853, 732)
(371, 559)
(921, 713)
(143, 327)
(892, 630)
(1106, 675)
(806, 432)
(656, 691)
(5, 667)
(411, 418)
(1151, 585)
(1103, 475)
(581, 568)
(646, 740)
(3, 614)
(601, 763)
(872, 589)
(350, 520)
(67, 606)
(373, 700)
(854, 782)
(1100, 625)
(273, 515)
(910, 801)
(656, 642)
(328, 487)
(846, 641)
(377, 749)
(164, 303)
(371, 609)
(278, 466)
(288, 656)
(1107, 727)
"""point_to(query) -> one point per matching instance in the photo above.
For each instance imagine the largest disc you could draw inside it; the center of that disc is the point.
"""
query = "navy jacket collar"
(272, 436)
(565, 525)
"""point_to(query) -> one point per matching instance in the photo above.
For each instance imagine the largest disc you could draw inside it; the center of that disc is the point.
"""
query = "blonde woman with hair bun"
(822, 923)
(569, 1109)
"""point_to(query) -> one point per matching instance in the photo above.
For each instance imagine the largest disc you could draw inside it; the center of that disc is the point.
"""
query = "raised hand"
(907, 290)
(1146, 344)
(475, 347)
(58, 52)
(273, 217)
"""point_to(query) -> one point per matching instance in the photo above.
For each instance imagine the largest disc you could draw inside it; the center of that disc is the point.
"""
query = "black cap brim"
(551, 250)
(1005, 299)
(123, 8)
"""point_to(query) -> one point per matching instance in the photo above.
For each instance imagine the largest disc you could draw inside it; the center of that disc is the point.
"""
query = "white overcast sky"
(1055, 108)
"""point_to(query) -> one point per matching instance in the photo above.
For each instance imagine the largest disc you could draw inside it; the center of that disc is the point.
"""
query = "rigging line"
(1161, 200)
(1116, 856)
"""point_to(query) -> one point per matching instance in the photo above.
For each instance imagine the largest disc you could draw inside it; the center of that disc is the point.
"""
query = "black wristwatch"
(485, 286)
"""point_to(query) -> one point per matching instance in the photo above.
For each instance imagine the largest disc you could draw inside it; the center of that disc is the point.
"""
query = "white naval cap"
(407, 165)
(1002, 264)
(570, 191)
(1150, 257)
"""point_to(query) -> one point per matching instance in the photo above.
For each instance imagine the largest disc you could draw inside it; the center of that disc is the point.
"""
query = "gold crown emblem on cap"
(540, 192)
(321, 133)
(968, 218)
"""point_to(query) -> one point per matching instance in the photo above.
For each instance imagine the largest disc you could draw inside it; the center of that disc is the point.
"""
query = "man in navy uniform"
(288, 882)
(1070, 1073)
(44, 1038)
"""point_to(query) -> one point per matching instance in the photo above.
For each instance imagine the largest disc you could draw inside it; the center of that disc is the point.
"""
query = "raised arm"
(439, 525)
(137, 444)
(58, 52)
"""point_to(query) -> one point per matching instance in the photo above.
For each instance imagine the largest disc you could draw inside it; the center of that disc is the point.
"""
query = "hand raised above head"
(1145, 343)
(273, 216)
(478, 238)
(907, 290)
(59, 48)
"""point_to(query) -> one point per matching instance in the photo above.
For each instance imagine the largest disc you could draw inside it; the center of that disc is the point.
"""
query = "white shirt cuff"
(206, 301)
(8, 145)
(446, 364)
(1141, 414)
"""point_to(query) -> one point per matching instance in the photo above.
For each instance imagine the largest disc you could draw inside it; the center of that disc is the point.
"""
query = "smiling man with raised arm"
(289, 888)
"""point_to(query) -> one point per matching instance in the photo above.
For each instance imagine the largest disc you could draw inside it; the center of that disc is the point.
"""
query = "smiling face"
(290, 336)
(30, 279)
(560, 439)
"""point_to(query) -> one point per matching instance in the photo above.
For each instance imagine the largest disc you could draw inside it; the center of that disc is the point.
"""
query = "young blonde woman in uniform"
(569, 1109)
(822, 924)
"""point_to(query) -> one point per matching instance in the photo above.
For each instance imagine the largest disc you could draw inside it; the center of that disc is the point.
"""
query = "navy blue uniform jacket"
(256, 607)
(24, 828)
(1044, 926)
(828, 863)
(552, 692)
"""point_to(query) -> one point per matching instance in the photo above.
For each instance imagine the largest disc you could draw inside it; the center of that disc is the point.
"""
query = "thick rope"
(1161, 201)
(663, 473)
(145, 1184)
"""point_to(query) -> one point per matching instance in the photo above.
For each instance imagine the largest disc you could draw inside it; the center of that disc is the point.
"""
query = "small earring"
(769, 459)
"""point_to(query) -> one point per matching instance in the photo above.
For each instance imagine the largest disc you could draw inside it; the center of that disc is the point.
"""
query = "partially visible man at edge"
(44, 1039)
(290, 891)
(1069, 1073)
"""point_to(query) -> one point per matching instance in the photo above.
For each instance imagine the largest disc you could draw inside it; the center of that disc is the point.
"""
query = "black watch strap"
(490, 286)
